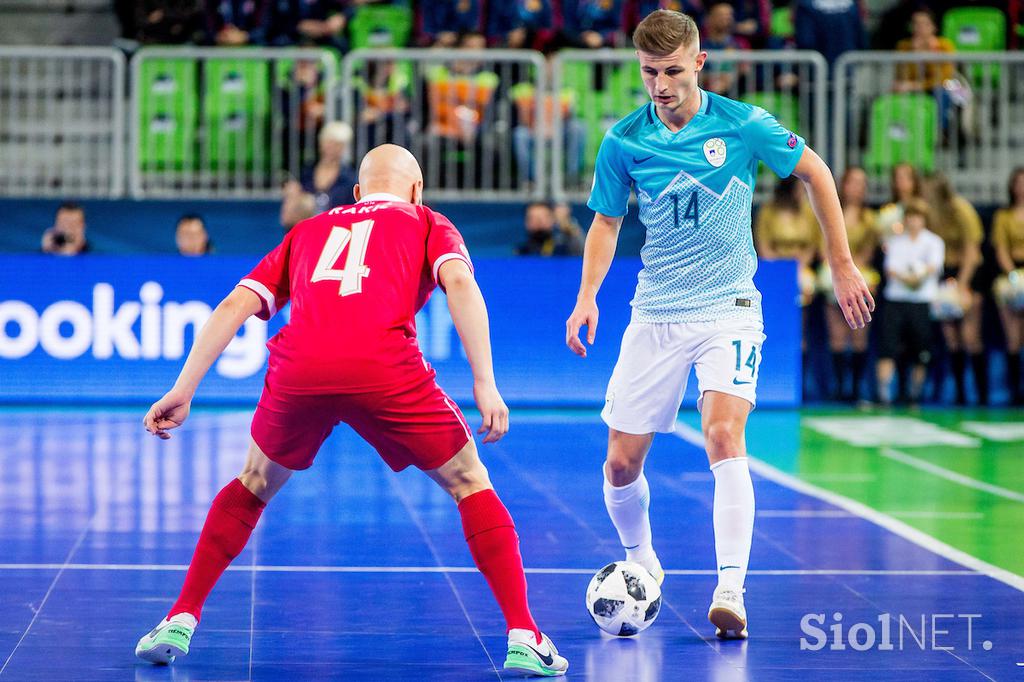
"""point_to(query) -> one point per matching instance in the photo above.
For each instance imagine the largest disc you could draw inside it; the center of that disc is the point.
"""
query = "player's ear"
(417, 192)
(701, 58)
(357, 192)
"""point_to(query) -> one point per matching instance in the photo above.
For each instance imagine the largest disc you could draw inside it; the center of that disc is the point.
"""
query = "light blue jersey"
(695, 189)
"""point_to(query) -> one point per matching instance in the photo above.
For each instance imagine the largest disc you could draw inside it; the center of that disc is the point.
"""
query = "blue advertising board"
(117, 329)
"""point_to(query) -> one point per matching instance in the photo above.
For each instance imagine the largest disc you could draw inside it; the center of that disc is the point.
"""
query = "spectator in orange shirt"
(924, 38)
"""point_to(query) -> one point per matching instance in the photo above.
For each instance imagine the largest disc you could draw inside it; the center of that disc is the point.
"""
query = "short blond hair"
(664, 31)
(336, 131)
(918, 207)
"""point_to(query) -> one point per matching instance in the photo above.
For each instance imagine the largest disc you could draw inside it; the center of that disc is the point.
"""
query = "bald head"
(392, 169)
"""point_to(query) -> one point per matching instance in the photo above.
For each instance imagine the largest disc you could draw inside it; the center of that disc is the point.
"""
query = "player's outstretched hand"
(168, 413)
(853, 296)
(585, 313)
(492, 409)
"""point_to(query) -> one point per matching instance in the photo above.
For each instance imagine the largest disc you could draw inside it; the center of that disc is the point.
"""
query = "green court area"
(955, 475)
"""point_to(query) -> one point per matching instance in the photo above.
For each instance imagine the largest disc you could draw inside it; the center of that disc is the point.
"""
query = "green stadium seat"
(168, 120)
(904, 128)
(236, 112)
(782, 22)
(599, 102)
(977, 29)
(380, 26)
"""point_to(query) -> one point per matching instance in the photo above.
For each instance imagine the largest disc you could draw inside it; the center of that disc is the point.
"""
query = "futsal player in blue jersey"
(691, 157)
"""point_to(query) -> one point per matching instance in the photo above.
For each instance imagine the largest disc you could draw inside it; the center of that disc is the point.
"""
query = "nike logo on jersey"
(722, 568)
(646, 158)
(737, 382)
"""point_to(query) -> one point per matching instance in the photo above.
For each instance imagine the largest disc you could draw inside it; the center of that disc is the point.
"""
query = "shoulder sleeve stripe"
(441, 260)
(261, 290)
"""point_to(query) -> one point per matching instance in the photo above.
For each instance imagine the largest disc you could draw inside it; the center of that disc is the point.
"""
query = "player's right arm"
(598, 253)
(171, 410)
(609, 199)
(469, 313)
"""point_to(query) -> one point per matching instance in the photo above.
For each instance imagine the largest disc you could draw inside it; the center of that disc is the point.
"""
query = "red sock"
(232, 517)
(493, 542)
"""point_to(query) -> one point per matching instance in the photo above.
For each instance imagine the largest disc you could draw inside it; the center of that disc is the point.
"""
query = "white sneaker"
(727, 613)
(167, 640)
(526, 657)
(651, 563)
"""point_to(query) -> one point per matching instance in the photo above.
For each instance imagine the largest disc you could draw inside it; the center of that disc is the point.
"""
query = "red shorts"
(415, 425)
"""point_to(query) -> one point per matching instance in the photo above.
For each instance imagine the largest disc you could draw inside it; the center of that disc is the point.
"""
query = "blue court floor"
(356, 573)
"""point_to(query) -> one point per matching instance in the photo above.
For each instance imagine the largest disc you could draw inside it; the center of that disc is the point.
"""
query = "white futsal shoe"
(727, 613)
(526, 657)
(168, 640)
(652, 564)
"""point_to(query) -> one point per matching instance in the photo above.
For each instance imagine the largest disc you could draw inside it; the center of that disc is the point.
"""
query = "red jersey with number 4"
(356, 277)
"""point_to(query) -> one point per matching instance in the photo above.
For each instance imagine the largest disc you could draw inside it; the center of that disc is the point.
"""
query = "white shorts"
(647, 385)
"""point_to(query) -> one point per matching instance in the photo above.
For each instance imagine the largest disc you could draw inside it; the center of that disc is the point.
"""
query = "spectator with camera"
(67, 236)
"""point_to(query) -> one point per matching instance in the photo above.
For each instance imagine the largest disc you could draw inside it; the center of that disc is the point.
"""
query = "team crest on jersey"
(714, 151)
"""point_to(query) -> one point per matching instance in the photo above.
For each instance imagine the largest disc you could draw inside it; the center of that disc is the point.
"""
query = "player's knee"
(622, 469)
(724, 439)
(255, 482)
(469, 483)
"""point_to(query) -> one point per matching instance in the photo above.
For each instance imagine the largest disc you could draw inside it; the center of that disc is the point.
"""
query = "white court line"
(895, 526)
(472, 569)
(953, 476)
(840, 514)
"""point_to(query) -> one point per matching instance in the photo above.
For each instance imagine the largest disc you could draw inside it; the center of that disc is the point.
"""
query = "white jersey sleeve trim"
(261, 290)
(441, 260)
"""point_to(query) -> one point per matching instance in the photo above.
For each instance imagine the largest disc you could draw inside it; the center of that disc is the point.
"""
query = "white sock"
(627, 506)
(734, 520)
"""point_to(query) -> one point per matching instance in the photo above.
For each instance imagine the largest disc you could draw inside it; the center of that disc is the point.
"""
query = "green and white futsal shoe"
(727, 613)
(168, 640)
(526, 657)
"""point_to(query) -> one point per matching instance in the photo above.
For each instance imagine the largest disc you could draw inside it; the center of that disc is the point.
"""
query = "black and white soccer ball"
(623, 598)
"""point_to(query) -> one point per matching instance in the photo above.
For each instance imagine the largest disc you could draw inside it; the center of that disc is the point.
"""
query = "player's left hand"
(852, 295)
(168, 413)
(493, 410)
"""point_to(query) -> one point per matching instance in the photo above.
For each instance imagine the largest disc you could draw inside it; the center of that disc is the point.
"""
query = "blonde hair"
(918, 207)
(663, 31)
(336, 131)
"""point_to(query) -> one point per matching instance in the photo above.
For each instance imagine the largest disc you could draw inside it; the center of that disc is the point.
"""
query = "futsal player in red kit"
(356, 276)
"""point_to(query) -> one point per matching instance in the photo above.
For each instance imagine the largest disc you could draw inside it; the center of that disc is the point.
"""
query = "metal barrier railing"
(474, 118)
(599, 87)
(62, 124)
(215, 123)
(958, 113)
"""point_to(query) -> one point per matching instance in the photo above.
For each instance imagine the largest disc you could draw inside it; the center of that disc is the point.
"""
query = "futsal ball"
(1009, 290)
(948, 303)
(623, 598)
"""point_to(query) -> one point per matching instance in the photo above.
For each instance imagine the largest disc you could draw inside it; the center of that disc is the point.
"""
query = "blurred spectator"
(458, 99)
(860, 230)
(637, 10)
(959, 226)
(161, 22)
(753, 21)
(894, 24)
(594, 23)
(786, 228)
(304, 22)
(232, 23)
(913, 262)
(547, 236)
(831, 27)
(384, 109)
(904, 185)
(67, 236)
(191, 236)
(524, 134)
(718, 34)
(326, 184)
(523, 24)
(924, 38)
(1008, 241)
(443, 21)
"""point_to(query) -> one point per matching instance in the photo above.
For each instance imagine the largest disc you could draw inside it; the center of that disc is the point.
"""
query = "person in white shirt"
(913, 263)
